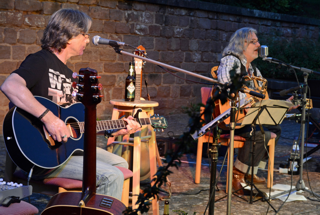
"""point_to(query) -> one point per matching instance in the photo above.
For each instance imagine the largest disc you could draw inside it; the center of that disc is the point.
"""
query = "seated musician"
(242, 49)
(46, 74)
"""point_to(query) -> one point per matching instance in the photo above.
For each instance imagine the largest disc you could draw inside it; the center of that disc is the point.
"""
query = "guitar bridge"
(106, 202)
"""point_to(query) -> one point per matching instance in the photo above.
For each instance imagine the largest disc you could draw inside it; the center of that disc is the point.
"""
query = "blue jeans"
(109, 178)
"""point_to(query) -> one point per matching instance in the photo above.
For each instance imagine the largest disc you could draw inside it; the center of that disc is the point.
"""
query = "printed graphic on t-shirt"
(60, 88)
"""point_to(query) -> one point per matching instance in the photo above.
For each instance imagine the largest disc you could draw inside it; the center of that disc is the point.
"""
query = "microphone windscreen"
(263, 51)
(95, 40)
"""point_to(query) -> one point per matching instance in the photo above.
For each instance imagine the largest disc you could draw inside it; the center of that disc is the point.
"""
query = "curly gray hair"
(237, 41)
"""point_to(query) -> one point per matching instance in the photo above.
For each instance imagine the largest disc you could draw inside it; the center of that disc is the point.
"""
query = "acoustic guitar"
(87, 202)
(30, 146)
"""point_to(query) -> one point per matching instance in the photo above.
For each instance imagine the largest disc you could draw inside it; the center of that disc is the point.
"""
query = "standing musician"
(46, 74)
(242, 49)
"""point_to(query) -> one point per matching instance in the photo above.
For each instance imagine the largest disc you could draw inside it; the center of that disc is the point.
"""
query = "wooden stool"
(121, 106)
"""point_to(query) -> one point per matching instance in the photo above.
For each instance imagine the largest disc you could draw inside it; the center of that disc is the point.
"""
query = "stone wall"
(186, 34)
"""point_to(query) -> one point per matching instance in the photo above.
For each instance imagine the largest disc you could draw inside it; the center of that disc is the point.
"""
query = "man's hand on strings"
(132, 127)
(247, 107)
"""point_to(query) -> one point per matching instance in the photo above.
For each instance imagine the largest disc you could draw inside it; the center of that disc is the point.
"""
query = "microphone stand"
(302, 69)
(231, 151)
(119, 51)
(214, 152)
(300, 184)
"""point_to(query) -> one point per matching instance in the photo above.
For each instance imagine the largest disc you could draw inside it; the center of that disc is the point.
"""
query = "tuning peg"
(97, 98)
(74, 93)
(100, 86)
(74, 75)
(94, 78)
(96, 88)
(79, 96)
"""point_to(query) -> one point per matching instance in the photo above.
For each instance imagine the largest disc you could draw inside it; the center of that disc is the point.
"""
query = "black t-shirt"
(47, 76)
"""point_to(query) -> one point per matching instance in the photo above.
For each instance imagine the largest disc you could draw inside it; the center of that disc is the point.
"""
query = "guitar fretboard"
(138, 70)
(114, 124)
(138, 88)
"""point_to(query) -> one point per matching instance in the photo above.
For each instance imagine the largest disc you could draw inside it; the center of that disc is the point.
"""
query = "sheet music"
(276, 108)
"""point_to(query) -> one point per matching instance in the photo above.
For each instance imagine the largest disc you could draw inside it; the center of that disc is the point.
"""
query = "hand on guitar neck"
(132, 127)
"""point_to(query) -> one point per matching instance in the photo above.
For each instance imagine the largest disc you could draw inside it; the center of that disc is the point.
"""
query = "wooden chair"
(225, 140)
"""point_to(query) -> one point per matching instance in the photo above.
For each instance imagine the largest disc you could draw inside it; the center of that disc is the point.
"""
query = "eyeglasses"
(86, 35)
(254, 42)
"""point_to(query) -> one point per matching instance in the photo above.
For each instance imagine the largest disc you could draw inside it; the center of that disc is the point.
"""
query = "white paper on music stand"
(276, 108)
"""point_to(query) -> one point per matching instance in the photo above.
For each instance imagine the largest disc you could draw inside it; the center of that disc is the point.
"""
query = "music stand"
(267, 112)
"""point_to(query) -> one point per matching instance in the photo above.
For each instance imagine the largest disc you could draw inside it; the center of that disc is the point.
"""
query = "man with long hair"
(46, 74)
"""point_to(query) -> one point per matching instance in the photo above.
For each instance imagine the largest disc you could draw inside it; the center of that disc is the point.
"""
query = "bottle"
(166, 208)
(294, 159)
(130, 84)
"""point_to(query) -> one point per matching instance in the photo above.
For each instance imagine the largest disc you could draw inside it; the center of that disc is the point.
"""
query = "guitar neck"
(138, 70)
(104, 125)
(137, 95)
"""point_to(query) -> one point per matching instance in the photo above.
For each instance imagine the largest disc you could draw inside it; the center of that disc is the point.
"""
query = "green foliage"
(275, 6)
(297, 52)
(308, 8)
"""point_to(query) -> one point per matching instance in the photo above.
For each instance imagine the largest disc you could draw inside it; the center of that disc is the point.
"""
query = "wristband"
(43, 114)
(109, 133)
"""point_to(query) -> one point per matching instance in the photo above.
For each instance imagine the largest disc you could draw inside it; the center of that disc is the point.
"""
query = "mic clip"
(117, 48)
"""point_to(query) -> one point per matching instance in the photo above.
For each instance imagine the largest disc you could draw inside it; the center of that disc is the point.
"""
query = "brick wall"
(186, 34)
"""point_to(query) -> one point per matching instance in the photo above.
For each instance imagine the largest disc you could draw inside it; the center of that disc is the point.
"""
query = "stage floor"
(186, 196)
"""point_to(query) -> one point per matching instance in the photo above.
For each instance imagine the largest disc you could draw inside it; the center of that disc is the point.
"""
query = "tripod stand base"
(299, 187)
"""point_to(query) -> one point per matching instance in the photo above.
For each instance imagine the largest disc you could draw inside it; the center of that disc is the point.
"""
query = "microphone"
(96, 40)
(286, 92)
(263, 51)
(253, 93)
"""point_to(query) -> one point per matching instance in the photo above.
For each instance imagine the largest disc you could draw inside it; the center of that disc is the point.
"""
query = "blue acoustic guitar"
(29, 144)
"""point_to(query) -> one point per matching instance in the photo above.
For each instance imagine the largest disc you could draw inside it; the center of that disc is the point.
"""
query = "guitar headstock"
(88, 86)
(141, 51)
(158, 122)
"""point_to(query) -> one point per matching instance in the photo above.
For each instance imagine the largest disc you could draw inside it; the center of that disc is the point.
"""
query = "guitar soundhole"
(75, 128)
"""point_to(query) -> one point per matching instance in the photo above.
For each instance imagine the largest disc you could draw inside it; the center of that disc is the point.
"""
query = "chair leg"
(271, 162)
(136, 169)
(125, 192)
(153, 169)
(199, 159)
